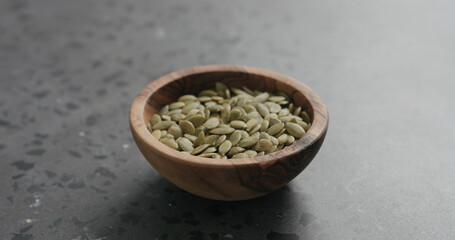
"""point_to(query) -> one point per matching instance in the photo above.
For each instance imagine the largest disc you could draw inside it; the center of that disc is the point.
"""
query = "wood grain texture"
(227, 179)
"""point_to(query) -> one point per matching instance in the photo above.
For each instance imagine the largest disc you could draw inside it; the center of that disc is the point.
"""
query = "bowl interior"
(194, 83)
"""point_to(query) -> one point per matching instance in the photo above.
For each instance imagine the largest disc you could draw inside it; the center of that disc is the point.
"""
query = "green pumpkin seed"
(235, 137)
(249, 108)
(260, 154)
(263, 110)
(164, 110)
(297, 111)
(208, 155)
(295, 129)
(225, 147)
(190, 137)
(199, 149)
(290, 140)
(210, 150)
(222, 130)
(157, 134)
(177, 117)
(261, 97)
(163, 125)
(276, 98)
(208, 93)
(248, 142)
(251, 153)
(186, 98)
(204, 99)
(263, 145)
(199, 140)
(235, 150)
(185, 144)
(175, 131)
(170, 142)
(220, 140)
(210, 139)
(187, 127)
(226, 113)
(176, 105)
(275, 129)
(282, 139)
(236, 114)
(212, 123)
(197, 120)
(305, 116)
(251, 124)
(189, 107)
(155, 119)
(238, 124)
(264, 125)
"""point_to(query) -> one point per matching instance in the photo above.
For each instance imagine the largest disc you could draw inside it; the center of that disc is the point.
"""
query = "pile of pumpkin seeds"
(230, 123)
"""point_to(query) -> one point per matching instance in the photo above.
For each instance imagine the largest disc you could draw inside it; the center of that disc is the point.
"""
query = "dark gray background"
(70, 69)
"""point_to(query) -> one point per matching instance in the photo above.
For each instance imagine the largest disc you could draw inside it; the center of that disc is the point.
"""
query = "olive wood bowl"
(227, 179)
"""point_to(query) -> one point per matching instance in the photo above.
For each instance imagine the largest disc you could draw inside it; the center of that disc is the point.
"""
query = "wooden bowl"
(227, 179)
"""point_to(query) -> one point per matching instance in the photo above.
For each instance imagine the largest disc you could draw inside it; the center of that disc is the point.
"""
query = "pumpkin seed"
(210, 140)
(238, 124)
(187, 127)
(155, 119)
(235, 150)
(276, 98)
(175, 131)
(199, 149)
(305, 116)
(176, 105)
(185, 144)
(210, 150)
(251, 124)
(163, 125)
(275, 128)
(297, 111)
(264, 125)
(170, 142)
(236, 114)
(251, 153)
(283, 138)
(197, 120)
(235, 137)
(204, 99)
(263, 110)
(186, 98)
(295, 129)
(225, 147)
(290, 140)
(261, 97)
(248, 142)
(241, 122)
(164, 110)
(199, 139)
(263, 145)
(208, 155)
(157, 134)
(189, 107)
(192, 138)
(220, 140)
(222, 130)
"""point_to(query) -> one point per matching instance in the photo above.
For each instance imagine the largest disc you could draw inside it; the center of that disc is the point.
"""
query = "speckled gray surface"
(69, 70)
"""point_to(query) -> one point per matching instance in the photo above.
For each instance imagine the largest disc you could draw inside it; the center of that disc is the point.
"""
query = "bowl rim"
(139, 129)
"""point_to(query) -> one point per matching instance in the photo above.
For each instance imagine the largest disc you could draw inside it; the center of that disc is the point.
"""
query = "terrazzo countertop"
(69, 71)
